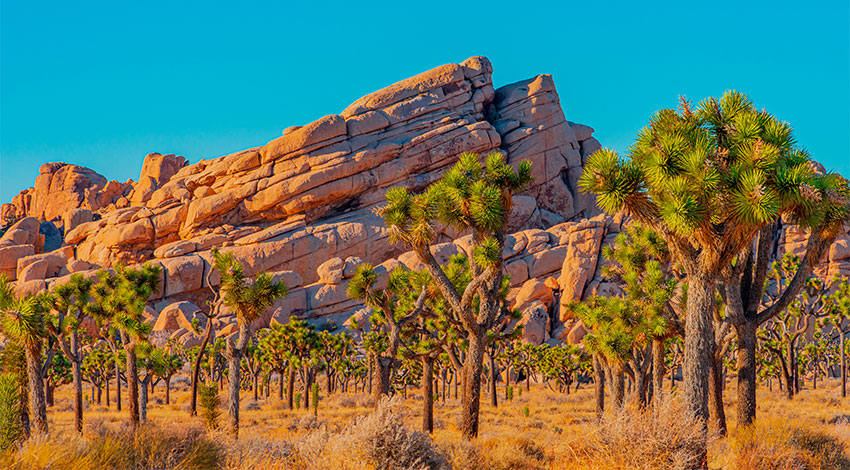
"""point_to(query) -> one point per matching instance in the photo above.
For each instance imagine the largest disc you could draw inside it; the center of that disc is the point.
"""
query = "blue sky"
(101, 84)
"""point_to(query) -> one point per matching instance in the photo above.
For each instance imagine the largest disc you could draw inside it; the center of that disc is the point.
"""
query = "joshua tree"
(97, 366)
(838, 315)
(467, 197)
(69, 302)
(711, 181)
(274, 348)
(396, 305)
(120, 299)
(23, 321)
(249, 301)
(642, 265)
(562, 364)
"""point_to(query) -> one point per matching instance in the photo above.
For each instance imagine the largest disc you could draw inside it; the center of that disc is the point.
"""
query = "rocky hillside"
(301, 205)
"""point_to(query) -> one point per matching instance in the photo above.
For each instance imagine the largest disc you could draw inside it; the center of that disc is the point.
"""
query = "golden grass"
(559, 432)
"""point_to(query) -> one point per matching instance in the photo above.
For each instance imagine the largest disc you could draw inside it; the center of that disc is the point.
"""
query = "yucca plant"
(397, 304)
(469, 197)
(710, 180)
(120, 297)
(209, 401)
(249, 300)
(69, 303)
(11, 427)
(23, 321)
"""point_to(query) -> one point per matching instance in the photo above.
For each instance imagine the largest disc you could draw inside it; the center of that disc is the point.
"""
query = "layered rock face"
(301, 206)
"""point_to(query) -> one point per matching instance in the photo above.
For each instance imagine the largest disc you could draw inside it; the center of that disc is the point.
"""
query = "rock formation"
(301, 206)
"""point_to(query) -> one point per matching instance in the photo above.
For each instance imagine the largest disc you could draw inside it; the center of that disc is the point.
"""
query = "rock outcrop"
(301, 206)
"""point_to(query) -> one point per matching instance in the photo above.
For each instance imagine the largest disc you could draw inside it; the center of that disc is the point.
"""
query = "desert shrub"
(148, 447)
(781, 444)
(11, 428)
(306, 422)
(666, 436)
(253, 405)
(257, 452)
(378, 440)
(499, 452)
(209, 402)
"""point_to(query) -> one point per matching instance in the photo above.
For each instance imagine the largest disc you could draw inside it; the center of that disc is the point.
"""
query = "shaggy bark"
(427, 394)
(38, 405)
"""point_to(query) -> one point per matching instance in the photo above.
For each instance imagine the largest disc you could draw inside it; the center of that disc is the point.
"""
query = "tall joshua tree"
(249, 300)
(711, 181)
(468, 198)
(120, 299)
(69, 302)
(23, 321)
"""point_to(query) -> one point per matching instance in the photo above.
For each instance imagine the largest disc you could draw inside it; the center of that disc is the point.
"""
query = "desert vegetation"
(704, 322)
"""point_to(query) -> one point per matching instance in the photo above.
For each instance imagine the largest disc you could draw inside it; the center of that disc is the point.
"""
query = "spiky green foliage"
(249, 300)
(23, 321)
(467, 196)
(11, 427)
(642, 266)
(708, 178)
(121, 295)
(209, 401)
(562, 363)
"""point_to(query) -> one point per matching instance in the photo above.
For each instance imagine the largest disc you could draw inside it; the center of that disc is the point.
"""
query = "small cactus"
(525, 411)
(511, 392)
(315, 399)
(297, 400)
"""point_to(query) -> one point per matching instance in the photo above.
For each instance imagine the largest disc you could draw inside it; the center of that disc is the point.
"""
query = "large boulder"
(160, 168)
(176, 316)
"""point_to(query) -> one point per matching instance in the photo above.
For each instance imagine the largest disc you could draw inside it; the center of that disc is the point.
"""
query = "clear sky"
(101, 84)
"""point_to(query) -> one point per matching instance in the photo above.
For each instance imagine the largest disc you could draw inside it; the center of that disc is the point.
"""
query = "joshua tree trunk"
(472, 368)
(699, 344)
(599, 386)
(493, 398)
(746, 363)
(280, 385)
(78, 395)
(167, 389)
(715, 398)
(38, 406)
(843, 363)
(618, 384)
(381, 378)
(308, 386)
(658, 366)
(234, 353)
(699, 351)
(290, 387)
(132, 381)
(143, 399)
(256, 387)
(196, 367)
(107, 392)
(427, 394)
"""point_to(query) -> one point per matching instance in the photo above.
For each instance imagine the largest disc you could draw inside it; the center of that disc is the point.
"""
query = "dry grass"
(665, 436)
(560, 432)
(779, 444)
